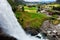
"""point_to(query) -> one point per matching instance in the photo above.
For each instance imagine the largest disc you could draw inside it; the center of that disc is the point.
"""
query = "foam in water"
(9, 23)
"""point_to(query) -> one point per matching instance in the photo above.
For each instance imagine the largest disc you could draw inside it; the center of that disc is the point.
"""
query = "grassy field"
(32, 20)
(30, 9)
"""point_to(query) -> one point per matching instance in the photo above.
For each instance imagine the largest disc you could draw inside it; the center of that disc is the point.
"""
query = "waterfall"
(9, 24)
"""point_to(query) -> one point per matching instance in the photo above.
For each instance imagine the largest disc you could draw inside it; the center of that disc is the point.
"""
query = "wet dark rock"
(44, 35)
(33, 32)
(4, 37)
(38, 37)
(58, 36)
(54, 36)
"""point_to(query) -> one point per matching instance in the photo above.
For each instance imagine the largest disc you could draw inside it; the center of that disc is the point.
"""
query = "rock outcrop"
(52, 31)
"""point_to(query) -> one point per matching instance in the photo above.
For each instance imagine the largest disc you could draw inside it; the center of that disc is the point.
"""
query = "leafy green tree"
(15, 3)
(58, 1)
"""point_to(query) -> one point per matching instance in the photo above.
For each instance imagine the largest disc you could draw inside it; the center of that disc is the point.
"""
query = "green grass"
(32, 20)
(29, 19)
(30, 8)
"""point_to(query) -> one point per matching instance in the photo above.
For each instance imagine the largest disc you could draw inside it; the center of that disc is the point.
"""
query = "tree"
(21, 2)
(15, 3)
(58, 1)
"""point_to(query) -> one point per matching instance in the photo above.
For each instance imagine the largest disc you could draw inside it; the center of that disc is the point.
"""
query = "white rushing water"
(9, 23)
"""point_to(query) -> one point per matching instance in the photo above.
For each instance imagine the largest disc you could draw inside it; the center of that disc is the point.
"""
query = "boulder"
(31, 31)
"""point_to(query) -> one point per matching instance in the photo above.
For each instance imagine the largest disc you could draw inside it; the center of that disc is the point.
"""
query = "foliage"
(56, 8)
(55, 16)
(15, 3)
(55, 22)
(12, 3)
